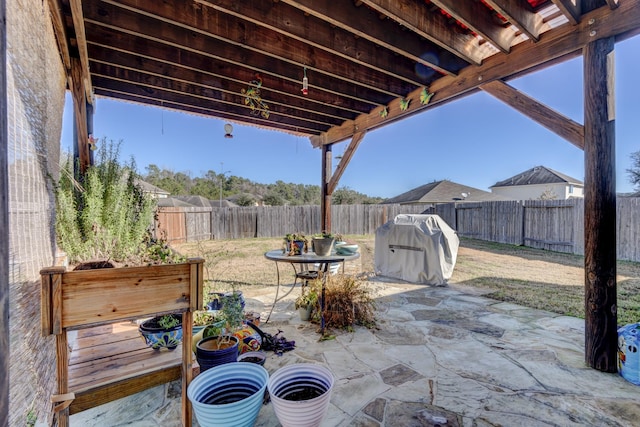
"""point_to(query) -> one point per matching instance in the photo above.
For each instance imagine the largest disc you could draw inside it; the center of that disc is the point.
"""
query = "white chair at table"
(333, 267)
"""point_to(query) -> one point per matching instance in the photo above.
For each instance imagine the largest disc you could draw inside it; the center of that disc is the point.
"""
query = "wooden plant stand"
(100, 356)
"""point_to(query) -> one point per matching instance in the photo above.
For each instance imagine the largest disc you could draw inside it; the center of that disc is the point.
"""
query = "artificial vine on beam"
(425, 96)
(254, 100)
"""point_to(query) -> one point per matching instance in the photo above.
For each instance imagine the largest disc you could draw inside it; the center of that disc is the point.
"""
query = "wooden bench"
(100, 356)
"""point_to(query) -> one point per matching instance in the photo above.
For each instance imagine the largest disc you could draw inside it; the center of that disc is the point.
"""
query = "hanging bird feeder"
(305, 83)
(228, 129)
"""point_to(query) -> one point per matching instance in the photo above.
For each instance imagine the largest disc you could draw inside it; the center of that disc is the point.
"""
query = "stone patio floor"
(439, 353)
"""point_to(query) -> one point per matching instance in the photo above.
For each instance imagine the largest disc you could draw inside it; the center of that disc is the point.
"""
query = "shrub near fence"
(556, 225)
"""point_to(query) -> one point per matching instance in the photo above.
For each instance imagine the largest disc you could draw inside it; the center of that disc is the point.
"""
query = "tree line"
(245, 192)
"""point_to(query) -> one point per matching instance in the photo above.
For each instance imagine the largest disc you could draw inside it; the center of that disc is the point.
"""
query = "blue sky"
(475, 141)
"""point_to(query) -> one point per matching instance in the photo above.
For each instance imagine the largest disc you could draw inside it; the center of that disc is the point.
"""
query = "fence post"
(524, 222)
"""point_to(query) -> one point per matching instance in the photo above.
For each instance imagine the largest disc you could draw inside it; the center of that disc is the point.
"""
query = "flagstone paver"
(439, 355)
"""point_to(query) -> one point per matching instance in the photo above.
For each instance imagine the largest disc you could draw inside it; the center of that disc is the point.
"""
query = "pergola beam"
(547, 117)
(344, 161)
(382, 32)
(520, 15)
(562, 43)
(80, 116)
(570, 9)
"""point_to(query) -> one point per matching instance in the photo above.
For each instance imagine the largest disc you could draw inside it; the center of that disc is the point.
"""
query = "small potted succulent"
(162, 331)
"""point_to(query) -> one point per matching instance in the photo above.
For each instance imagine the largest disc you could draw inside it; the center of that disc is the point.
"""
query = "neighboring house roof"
(538, 175)
(195, 201)
(152, 189)
(172, 202)
(444, 192)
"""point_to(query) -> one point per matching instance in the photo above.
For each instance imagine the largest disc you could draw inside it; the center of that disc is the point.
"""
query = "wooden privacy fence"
(556, 225)
(186, 224)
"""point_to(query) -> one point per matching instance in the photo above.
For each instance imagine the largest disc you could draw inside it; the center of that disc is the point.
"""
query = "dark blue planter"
(208, 356)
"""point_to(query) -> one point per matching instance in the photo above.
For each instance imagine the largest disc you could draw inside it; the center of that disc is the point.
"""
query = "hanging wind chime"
(305, 83)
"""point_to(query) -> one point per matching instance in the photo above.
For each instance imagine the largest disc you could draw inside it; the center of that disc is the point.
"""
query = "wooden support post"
(187, 365)
(325, 194)
(4, 226)
(62, 349)
(600, 207)
(80, 116)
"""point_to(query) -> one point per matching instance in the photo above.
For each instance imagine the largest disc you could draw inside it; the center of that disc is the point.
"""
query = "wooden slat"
(187, 363)
(56, 304)
(93, 347)
(101, 296)
(107, 393)
(45, 305)
(87, 375)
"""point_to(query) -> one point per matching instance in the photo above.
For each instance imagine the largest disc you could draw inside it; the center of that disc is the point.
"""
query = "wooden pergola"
(367, 63)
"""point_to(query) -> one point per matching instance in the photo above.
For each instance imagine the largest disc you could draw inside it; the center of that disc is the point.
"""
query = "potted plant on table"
(322, 243)
(295, 243)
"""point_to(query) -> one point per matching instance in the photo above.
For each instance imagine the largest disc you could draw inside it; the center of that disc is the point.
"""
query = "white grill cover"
(416, 248)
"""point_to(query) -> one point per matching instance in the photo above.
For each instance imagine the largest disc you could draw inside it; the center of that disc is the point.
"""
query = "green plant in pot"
(295, 243)
(306, 302)
(162, 331)
(322, 243)
(103, 219)
(202, 319)
(213, 350)
(102, 214)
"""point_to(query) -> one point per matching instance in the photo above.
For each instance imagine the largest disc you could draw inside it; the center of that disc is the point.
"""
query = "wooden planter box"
(103, 303)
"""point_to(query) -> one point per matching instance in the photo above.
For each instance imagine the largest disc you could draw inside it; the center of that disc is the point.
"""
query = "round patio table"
(278, 256)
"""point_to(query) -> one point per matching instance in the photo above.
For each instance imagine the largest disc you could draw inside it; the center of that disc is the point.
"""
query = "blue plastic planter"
(228, 395)
(628, 352)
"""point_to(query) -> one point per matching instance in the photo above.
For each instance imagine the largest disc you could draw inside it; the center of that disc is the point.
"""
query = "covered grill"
(416, 248)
